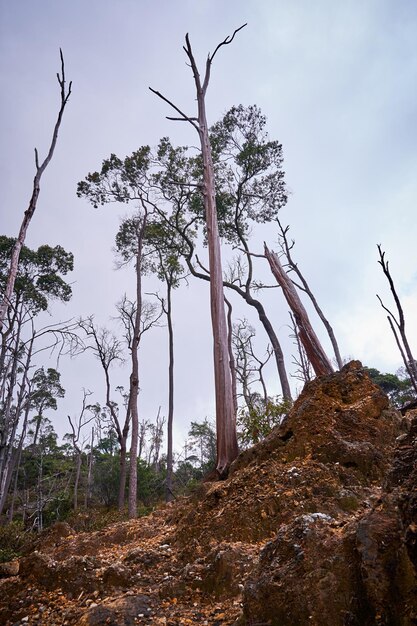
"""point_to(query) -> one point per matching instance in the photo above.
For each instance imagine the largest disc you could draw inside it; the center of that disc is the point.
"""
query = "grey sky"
(337, 82)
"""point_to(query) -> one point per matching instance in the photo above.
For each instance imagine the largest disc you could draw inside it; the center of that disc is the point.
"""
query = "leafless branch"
(183, 115)
(226, 41)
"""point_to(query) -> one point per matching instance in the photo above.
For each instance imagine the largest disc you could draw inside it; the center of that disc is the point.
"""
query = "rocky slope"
(316, 525)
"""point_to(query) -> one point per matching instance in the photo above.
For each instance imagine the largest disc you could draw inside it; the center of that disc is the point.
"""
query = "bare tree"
(75, 436)
(108, 349)
(308, 337)
(398, 324)
(227, 448)
(137, 317)
(156, 437)
(249, 367)
(40, 168)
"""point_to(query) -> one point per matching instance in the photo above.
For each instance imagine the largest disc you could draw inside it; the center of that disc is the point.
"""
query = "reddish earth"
(316, 525)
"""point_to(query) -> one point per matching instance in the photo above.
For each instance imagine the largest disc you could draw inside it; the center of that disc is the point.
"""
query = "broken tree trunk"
(308, 337)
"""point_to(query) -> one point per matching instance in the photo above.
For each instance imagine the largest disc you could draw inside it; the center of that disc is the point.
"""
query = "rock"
(357, 570)
(117, 575)
(305, 576)
(227, 568)
(11, 568)
(387, 574)
(76, 574)
(40, 567)
(121, 612)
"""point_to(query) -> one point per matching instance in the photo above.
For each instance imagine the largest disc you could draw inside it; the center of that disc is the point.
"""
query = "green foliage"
(249, 175)
(202, 441)
(46, 388)
(255, 423)
(151, 481)
(13, 539)
(106, 473)
(39, 276)
(58, 508)
(187, 474)
(400, 390)
(47, 456)
(151, 484)
(118, 180)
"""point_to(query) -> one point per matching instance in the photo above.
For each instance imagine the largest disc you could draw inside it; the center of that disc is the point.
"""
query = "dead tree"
(308, 337)
(249, 367)
(137, 318)
(108, 349)
(227, 448)
(293, 266)
(76, 427)
(40, 168)
(399, 323)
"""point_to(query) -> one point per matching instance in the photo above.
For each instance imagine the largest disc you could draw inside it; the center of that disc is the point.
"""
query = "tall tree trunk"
(39, 502)
(134, 379)
(308, 337)
(9, 421)
(77, 477)
(169, 496)
(276, 346)
(227, 448)
(40, 168)
(89, 472)
(123, 475)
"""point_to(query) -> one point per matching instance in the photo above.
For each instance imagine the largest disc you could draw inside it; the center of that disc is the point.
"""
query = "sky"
(337, 83)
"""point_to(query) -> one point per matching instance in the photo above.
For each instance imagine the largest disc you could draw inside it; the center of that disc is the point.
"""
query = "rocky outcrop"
(357, 570)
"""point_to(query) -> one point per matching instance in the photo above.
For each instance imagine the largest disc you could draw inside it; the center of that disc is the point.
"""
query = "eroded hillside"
(316, 525)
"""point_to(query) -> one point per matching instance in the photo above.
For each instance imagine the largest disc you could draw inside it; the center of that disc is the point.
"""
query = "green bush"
(13, 539)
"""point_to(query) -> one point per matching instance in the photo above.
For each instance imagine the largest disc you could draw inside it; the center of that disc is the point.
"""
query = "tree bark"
(89, 472)
(77, 477)
(227, 448)
(123, 475)
(134, 379)
(308, 337)
(169, 496)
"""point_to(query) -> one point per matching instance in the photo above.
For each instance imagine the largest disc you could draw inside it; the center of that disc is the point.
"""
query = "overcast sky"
(337, 82)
